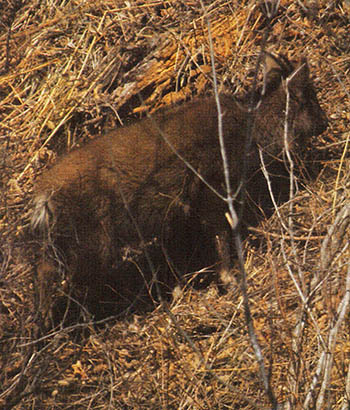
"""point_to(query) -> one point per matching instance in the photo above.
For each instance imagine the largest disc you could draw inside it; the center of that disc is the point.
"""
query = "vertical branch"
(332, 338)
(346, 403)
(233, 218)
(229, 198)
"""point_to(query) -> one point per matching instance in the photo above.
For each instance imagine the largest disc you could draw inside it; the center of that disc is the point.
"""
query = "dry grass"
(71, 70)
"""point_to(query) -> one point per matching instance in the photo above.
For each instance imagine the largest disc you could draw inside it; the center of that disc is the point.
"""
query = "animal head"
(288, 111)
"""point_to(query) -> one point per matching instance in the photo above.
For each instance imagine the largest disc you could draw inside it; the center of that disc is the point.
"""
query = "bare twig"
(235, 220)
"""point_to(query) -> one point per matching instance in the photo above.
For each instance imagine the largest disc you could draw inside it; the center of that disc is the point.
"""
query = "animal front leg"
(223, 250)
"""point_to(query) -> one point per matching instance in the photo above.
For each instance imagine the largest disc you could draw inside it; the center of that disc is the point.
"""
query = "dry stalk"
(326, 359)
(233, 215)
(287, 231)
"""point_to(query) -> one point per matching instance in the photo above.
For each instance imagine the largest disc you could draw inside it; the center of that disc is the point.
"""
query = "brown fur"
(103, 205)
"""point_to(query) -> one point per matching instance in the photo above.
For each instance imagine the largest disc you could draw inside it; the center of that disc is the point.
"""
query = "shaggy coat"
(126, 210)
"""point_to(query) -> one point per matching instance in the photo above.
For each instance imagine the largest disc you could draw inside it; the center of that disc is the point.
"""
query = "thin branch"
(234, 220)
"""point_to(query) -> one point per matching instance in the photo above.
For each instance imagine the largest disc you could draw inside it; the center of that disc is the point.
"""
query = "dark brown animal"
(127, 197)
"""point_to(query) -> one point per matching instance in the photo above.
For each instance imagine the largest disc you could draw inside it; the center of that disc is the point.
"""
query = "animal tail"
(42, 212)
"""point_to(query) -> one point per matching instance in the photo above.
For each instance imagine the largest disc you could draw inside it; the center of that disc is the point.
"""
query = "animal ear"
(300, 75)
(273, 70)
(271, 62)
